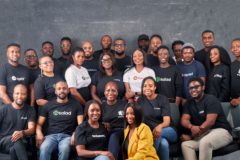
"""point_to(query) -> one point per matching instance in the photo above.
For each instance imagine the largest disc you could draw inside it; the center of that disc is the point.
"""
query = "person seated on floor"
(206, 122)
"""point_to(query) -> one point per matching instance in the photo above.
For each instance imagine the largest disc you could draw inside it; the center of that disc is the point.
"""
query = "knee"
(205, 143)
(101, 157)
(64, 148)
(45, 148)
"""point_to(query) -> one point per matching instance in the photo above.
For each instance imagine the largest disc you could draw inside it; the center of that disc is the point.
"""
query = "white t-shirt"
(77, 77)
(135, 78)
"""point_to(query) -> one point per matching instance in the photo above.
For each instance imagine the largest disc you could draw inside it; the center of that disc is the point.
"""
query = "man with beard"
(31, 60)
(106, 43)
(90, 63)
(203, 55)
(143, 42)
(13, 73)
(61, 115)
(66, 48)
(123, 61)
(48, 50)
(17, 120)
(152, 56)
(206, 122)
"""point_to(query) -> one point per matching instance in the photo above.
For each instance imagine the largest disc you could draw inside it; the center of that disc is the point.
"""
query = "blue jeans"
(60, 142)
(162, 143)
(100, 157)
(115, 140)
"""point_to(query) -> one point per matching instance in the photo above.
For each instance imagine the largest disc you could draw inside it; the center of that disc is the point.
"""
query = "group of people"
(110, 105)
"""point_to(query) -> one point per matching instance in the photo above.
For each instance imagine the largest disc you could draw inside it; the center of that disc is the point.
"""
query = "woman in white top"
(78, 78)
(133, 77)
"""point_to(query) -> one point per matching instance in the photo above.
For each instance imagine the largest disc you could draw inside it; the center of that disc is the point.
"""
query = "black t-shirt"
(10, 76)
(93, 138)
(12, 119)
(219, 82)
(153, 61)
(235, 79)
(44, 87)
(204, 57)
(59, 67)
(100, 80)
(98, 53)
(35, 73)
(61, 117)
(92, 66)
(169, 81)
(207, 105)
(65, 63)
(114, 114)
(154, 110)
(123, 63)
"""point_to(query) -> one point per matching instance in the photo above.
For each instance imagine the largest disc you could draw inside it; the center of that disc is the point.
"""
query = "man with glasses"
(203, 117)
(13, 73)
(123, 61)
(31, 60)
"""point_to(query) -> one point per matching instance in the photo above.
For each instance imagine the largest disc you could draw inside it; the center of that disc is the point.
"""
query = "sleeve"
(79, 108)
(145, 142)
(80, 138)
(201, 70)
(166, 106)
(95, 79)
(225, 85)
(178, 82)
(70, 78)
(3, 75)
(126, 76)
(185, 108)
(33, 116)
(39, 89)
(43, 111)
(213, 105)
(152, 73)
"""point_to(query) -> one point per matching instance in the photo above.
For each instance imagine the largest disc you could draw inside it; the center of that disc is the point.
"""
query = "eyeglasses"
(47, 62)
(119, 45)
(30, 57)
(194, 87)
(106, 60)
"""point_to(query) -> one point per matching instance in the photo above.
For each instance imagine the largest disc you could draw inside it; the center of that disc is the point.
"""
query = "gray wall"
(30, 22)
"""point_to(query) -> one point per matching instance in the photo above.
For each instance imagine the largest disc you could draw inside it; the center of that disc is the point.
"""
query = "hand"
(185, 137)
(107, 126)
(39, 139)
(16, 136)
(107, 153)
(195, 131)
(235, 102)
(157, 131)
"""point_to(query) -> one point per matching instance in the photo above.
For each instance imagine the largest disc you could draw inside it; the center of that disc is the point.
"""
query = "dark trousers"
(17, 150)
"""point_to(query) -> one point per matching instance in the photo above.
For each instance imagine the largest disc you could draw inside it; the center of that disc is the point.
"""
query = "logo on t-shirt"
(187, 74)
(238, 74)
(217, 76)
(118, 80)
(98, 136)
(85, 78)
(137, 78)
(120, 114)
(63, 113)
(14, 78)
(24, 118)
